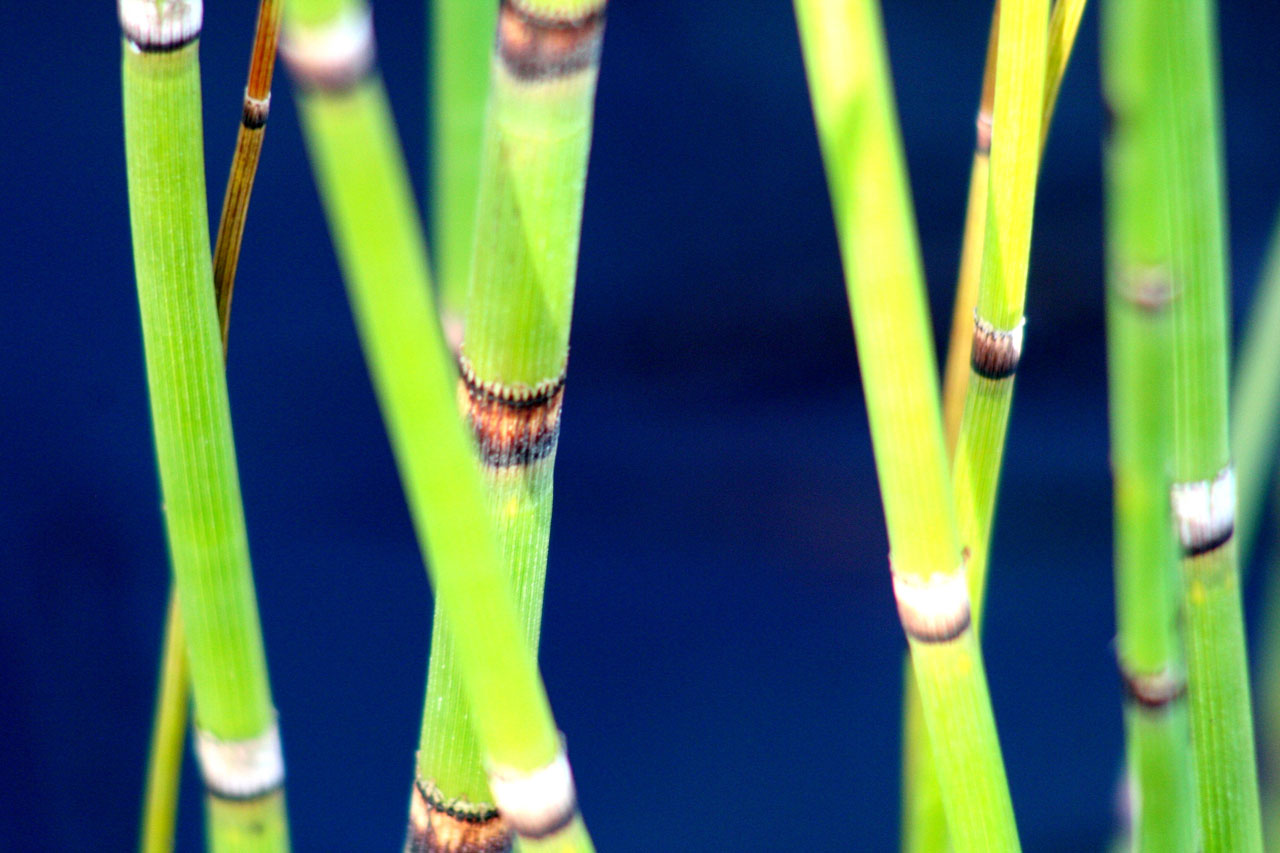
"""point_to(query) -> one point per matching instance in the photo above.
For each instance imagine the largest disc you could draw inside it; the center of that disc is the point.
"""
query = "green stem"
(516, 343)
(997, 332)
(1139, 338)
(857, 128)
(1186, 97)
(363, 182)
(168, 736)
(192, 427)
(165, 767)
(461, 44)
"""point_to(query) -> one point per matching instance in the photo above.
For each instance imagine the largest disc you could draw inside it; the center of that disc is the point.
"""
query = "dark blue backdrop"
(720, 642)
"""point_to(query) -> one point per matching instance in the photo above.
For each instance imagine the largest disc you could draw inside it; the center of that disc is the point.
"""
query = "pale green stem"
(857, 128)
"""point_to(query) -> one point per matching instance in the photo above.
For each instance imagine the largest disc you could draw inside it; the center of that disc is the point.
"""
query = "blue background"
(720, 641)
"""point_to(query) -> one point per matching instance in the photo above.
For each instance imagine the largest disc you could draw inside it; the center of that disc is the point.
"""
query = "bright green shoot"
(515, 347)
(236, 737)
(461, 44)
(857, 128)
(165, 765)
(1189, 121)
(1139, 339)
(1017, 129)
(360, 170)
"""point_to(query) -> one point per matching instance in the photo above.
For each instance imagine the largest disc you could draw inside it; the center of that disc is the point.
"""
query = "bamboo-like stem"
(165, 764)
(360, 170)
(237, 741)
(1186, 98)
(1064, 25)
(168, 736)
(956, 370)
(516, 342)
(997, 318)
(1139, 340)
(857, 127)
(923, 824)
(462, 33)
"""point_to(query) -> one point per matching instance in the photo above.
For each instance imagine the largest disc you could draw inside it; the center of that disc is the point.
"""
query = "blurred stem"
(1186, 95)
(462, 33)
(191, 425)
(168, 737)
(1139, 340)
(516, 341)
(164, 773)
(364, 185)
(857, 128)
(1255, 399)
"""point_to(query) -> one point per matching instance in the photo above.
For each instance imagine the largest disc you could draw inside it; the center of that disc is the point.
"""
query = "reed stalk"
(1186, 99)
(857, 128)
(237, 741)
(515, 345)
(923, 824)
(462, 33)
(1139, 341)
(1017, 131)
(164, 769)
(365, 189)
(168, 737)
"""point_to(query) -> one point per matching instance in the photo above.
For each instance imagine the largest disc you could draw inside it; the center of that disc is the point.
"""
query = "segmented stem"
(857, 127)
(240, 759)
(360, 169)
(515, 347)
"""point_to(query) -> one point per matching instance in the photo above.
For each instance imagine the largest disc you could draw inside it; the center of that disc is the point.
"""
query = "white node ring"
(1205, 512)
(241, 769)
(538, 802)
(149, 24)
(333, 54)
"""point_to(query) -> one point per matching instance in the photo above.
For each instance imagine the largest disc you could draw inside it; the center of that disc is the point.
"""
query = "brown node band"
(147, 45)
(539, 47)
(995, 352)
(513, 425)
(440, 825)
(1153, 691)
(255, 112)
(1213, 542)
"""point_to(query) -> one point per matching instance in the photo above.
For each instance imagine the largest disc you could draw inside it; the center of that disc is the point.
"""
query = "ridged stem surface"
(516, 340)
(462, 33)
(847, 68)
(1149, 647)
(366, 192)
(1186, 94)
(191, 417)
(164, 772)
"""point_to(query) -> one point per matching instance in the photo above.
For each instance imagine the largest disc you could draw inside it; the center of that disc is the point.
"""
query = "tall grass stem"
(843, 47)
(1204, 499)
(515, 346)
(360, 170)
(237, 741)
